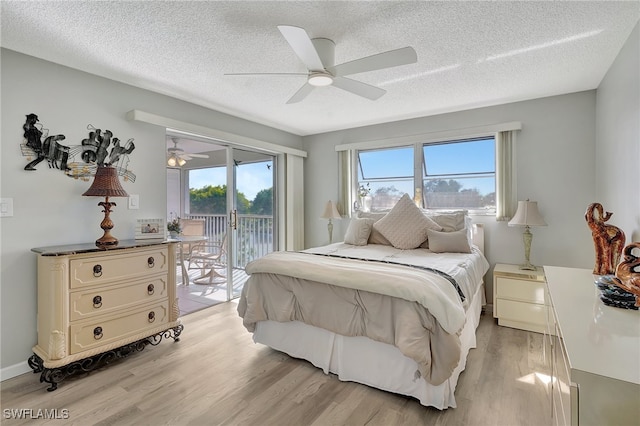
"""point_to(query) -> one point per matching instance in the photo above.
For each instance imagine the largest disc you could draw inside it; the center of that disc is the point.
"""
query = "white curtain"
(345, 182)
(294, 203)
(505, 175)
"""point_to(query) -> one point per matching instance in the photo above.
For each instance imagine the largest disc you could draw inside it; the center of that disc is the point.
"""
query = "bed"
(396, 315)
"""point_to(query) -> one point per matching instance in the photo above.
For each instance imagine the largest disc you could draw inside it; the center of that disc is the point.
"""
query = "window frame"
(419, 171)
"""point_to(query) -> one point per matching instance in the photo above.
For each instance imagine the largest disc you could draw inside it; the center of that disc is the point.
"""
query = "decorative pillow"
(358, 231)
(449, 242)
(405, 226)
(375, 237)
(449, 221)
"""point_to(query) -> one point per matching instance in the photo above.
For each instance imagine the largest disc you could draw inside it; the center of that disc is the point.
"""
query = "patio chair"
(209, 261)
(192, 227)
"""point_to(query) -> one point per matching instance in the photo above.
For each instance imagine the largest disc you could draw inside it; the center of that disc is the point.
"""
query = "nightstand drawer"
(522, 312)
(526, 291)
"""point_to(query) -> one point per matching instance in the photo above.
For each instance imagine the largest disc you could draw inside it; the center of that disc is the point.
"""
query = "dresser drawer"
(105, 300)
(97, 270)
(522, 312)
(102, 332)
(526, 291)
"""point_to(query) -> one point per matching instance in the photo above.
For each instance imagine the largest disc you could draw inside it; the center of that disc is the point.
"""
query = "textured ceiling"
(470, 54)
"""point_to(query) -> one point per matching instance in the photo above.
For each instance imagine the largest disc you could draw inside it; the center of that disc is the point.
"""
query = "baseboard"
(488, 309)
(14, 370)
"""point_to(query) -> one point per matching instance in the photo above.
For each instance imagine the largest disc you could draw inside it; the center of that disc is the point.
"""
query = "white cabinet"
(595, 354)
(102, 304)
(519, 298)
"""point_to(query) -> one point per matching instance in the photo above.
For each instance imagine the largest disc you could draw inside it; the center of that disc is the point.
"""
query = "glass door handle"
(233, 218)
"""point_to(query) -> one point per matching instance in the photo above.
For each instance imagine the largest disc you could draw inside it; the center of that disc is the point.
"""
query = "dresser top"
(70, 249)
(599, 339)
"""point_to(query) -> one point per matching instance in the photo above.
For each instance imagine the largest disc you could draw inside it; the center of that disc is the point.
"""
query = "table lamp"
(527, 215)
(106, 184)
(330, 212)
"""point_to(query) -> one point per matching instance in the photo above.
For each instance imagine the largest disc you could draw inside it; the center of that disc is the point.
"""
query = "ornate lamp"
(330, 212)
(106, 184)
(527, 215)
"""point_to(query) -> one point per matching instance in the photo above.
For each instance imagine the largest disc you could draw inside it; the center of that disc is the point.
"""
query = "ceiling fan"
(318, 55)
(177, 157)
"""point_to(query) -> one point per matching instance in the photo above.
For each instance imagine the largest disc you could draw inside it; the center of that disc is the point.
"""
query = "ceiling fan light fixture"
(171, 161)
(181, 161)
(320, 79)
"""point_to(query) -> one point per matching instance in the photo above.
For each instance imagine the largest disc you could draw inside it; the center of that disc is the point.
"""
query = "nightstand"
(519, 298)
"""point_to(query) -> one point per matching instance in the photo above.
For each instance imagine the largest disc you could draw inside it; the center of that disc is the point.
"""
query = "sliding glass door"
(251, 232)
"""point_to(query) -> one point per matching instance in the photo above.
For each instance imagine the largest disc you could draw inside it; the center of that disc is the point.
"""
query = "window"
(459, 174)
(385, 175)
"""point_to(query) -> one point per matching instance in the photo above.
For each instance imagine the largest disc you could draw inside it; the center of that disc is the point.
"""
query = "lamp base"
(107, 240)
(528, 267)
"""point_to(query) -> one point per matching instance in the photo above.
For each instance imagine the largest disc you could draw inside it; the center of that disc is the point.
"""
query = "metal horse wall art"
(99, 149)
(608, 240)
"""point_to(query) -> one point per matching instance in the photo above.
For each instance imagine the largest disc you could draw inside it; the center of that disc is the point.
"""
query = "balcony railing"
(254, 236)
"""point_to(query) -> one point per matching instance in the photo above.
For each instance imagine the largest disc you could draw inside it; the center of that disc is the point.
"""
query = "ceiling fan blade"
(198, 155)
(300, 42)
(301, 93)
(358, 88)
(392, 58)
(266, 73)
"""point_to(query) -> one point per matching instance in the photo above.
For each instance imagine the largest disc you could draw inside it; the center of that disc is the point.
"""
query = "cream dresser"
(96, 305)
(519, 297)
(595, 354)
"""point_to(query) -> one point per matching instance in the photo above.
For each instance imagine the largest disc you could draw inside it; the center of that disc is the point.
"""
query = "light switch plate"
(6, 207)
(134, 201)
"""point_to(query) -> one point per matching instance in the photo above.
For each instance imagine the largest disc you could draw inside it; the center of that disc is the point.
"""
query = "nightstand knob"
(151, 262)
(152, 316)
(150, 289)
(97, 302)
(97, 333)
(97, 271)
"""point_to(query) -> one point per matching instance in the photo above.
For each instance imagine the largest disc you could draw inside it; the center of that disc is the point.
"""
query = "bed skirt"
(362, 360)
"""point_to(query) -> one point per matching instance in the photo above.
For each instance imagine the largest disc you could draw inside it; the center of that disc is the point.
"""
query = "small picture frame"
(150, 229)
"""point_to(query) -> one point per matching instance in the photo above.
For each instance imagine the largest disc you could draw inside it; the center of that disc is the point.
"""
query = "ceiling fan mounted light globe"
(320, 79)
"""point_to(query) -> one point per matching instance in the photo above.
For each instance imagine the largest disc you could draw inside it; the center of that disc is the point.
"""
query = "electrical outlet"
(134, 201)
(6, 207)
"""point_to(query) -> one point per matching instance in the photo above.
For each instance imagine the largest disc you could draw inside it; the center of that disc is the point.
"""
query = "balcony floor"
(195, 297)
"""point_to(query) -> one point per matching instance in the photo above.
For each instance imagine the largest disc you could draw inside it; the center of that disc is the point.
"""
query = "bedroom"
(574, 149)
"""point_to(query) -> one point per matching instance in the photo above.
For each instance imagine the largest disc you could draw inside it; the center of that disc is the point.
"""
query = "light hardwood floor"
(216, 375)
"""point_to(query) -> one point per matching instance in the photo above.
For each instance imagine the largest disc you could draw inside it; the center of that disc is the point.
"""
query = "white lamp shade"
(527, 215)
(330, 211)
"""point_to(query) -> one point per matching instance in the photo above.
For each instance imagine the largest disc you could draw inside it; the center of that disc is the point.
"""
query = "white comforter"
(432, 291)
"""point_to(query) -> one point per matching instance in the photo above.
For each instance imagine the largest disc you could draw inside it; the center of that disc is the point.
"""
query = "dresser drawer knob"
(97, 333)
(152, 316)
(150, 289)
(151, 262)
(97, 302)
(97, 271)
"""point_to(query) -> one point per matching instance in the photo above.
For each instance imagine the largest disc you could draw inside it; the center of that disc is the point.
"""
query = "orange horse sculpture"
(627, 278)
(607, 239)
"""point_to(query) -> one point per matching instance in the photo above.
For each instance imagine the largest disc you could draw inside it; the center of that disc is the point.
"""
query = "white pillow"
(358, 231)
(405, 226)
(449, 242)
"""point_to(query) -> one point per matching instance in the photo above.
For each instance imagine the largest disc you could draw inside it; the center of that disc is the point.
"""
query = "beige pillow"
(449, 221)
(375, 237)
(448, 242)
(358, 231)
(405, 226)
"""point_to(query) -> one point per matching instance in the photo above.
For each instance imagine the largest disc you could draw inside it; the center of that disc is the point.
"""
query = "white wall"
(555, 165)
(48, 206)
(618, 139)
